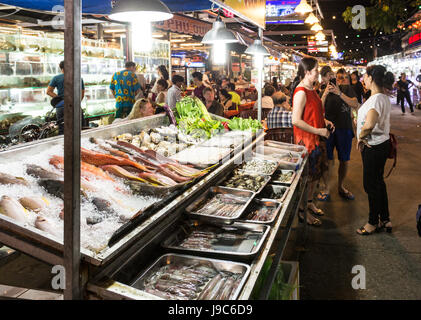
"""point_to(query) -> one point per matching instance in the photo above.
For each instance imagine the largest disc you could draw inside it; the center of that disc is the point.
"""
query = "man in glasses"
(338, 99)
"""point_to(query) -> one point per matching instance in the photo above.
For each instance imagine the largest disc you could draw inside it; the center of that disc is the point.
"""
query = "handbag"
(393, 152)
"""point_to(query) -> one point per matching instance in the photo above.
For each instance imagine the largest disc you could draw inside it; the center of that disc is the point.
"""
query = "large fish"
(87, 170)
(107, 147)
(34, 204)
(120, 172)
(53, 187)
(41, 173)
(44, 224)
(12, 208)
(158, 178)
(9, 179)
(100, 159)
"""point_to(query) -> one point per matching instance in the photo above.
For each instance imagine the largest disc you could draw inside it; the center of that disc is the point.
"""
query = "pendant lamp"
(303, 7)
(219, 34)
(140, 10)
(311, 19)
(316, 27)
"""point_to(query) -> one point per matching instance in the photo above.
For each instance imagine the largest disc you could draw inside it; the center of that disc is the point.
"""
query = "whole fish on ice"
(12, 208)
(44, 224)
(9, 179)
(33, 203)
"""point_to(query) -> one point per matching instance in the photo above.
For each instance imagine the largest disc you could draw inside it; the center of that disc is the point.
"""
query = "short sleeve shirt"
(337, 110)
(381, 103)
(58, 83)
(124, 85)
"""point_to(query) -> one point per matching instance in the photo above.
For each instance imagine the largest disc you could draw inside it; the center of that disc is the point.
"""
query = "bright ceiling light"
(311, 19)
(136, 10)
(114, 30)
(320, 36)
(219, 33)
(190, 44)
(303, 7)
(178, 40)
(332, 47)
(317, 27)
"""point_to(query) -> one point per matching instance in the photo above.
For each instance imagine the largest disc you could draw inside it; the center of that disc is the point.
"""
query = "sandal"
(323, 196)
(318, 212)
(316, 222)
(364, 232)
(346, 195)
(382, 225)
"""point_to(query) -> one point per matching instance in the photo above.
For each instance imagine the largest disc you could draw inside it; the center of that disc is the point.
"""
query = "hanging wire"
(10, 14)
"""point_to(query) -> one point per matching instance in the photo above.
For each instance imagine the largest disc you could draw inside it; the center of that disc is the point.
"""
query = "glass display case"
(149, 61)
(30, 59)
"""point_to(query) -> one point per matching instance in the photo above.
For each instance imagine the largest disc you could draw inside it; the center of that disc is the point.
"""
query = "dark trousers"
(60, 119)
(405, 95)
(374, 160)
(399, 98)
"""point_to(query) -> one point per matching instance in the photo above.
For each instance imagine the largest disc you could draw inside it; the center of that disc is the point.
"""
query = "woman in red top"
(310, 128)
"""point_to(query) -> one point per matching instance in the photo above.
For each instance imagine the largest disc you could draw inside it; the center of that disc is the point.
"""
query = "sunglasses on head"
(340, 78)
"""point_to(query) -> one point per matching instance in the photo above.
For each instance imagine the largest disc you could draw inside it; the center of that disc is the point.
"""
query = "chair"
(280, 134)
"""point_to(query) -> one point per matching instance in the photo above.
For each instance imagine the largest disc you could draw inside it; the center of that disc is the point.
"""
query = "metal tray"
(286, 146)
(267, 179)
(275, 188)
(220, 265)
(262, 202)
(289, 182)
(182, 231)
(256, 172)
(214, 190)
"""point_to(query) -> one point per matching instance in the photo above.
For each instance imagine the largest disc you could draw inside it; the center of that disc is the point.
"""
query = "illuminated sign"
(415, 38)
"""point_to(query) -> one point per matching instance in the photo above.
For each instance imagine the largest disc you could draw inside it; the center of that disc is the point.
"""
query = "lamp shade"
(320, 36)
(303, 7)
(219, 34)
(140, 10)
(311, 19)
(316, 27)
(257, 49)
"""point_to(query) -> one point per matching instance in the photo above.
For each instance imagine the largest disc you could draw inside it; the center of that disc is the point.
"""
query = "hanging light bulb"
(320, 36)
(303, 7)
(332, 47)
(219, 53)
(311, 19)
(317, 27)
(219, 33)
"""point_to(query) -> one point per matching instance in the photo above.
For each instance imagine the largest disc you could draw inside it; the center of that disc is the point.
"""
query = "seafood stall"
(141, 230)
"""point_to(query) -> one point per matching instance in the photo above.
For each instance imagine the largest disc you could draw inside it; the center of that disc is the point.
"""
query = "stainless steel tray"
(289, 182)
(183, 230)
(222, 190)
(267, 179)
(275, 188)
(220, 265)
(262, 202)
(257, 172)
(286, 146)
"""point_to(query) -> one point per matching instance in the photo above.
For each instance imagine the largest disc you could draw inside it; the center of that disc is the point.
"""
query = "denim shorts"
(341, 139)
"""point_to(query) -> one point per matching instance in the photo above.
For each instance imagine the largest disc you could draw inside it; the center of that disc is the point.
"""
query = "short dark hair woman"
(310, 128)
(373, 128)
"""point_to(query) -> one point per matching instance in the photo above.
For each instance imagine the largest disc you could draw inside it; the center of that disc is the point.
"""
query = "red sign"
(414, 38)
(227, 13)
(185, 25)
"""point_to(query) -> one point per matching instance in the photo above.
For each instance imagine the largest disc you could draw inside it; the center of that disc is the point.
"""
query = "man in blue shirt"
(58, 99)
(125, 87)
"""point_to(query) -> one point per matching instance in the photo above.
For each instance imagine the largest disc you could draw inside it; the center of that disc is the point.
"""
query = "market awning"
(104, 6)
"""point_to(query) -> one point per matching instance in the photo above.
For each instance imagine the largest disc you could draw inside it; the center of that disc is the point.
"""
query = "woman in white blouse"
(373, 128)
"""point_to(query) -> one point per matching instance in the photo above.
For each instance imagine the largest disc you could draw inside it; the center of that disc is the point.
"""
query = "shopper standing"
(338, 101)
(310, 128)
(373, 143)
(403, 86)
(174, 93)
(57, 82)
(357, 86)
(124, 88)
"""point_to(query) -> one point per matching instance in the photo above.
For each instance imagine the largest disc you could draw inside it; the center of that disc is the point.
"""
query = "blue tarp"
(103, 7)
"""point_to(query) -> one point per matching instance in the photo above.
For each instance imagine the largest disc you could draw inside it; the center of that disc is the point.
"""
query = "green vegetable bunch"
(193, 118)
(244, 124)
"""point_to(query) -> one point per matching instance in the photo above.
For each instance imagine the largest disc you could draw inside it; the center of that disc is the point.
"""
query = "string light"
(317, 27)
(311, 19)
(303, 7)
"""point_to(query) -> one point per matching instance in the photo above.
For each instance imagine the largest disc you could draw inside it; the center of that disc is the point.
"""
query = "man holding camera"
(338, 99)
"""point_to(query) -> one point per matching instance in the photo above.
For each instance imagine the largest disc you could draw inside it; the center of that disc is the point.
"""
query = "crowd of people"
(324, 115)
